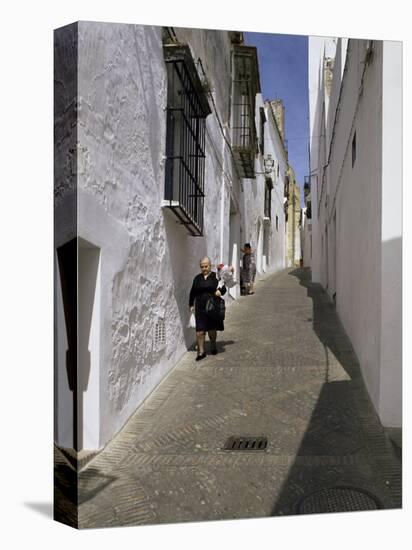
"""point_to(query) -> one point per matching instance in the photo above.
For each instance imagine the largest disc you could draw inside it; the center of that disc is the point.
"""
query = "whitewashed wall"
(137, 260)
(274, 147)
(146, 259)
(267, 241)
(358, 204)
(391, 238)
(318, 47)
(357, 194)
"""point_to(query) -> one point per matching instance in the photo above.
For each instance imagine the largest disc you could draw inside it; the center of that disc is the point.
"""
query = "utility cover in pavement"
(338, 499)
(246, 443)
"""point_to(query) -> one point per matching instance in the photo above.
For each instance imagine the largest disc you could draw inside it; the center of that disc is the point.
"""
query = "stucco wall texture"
(122, 98)
(143, 259)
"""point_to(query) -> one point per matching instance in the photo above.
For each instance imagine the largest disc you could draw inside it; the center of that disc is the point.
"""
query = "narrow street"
(285, 370)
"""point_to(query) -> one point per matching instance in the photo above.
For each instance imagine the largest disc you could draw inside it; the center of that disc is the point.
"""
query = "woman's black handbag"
(216, 308)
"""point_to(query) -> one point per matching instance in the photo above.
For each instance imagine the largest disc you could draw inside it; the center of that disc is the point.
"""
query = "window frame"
(186, 111)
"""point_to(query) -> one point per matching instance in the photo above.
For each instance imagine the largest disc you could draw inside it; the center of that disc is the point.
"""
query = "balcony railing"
(245, 86)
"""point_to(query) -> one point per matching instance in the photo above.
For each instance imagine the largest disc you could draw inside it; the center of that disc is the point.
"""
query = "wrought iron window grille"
(187, 109)
(245, 86)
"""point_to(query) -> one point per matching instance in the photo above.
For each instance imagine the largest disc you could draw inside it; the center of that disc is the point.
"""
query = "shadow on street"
(344, 444)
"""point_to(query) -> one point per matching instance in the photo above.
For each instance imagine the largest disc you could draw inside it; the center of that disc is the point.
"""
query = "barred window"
(187, 109)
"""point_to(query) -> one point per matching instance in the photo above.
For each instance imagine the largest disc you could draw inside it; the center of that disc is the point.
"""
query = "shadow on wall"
(344, 444)
(67, 271)
(182, 253)
(391, 377)
(78, 266)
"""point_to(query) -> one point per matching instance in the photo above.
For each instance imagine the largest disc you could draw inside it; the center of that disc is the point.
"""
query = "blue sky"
(284, 75)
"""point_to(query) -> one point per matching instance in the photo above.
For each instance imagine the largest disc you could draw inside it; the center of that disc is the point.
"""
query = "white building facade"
(355, 98)
(159, 161)
(263, 195)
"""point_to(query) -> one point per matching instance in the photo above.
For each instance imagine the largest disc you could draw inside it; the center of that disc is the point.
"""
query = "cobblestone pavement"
(286, 370)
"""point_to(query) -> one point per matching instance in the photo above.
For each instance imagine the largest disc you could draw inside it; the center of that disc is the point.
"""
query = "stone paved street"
(285, 370)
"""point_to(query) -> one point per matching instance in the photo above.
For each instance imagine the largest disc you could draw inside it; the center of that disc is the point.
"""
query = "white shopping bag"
(192, 321)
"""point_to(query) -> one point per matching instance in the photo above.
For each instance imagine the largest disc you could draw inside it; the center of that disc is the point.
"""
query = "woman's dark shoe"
(200, 357)
(214, 351)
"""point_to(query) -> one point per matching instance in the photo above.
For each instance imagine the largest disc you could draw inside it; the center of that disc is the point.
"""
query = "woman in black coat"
(204, 286)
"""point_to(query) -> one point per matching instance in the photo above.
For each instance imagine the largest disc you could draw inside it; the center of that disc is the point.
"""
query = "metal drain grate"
(338, 499)
(246, 443)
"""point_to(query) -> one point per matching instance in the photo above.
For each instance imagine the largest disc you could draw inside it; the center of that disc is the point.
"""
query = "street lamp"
(268, 163)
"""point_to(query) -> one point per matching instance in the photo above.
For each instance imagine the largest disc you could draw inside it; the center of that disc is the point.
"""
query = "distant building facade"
(293, 221)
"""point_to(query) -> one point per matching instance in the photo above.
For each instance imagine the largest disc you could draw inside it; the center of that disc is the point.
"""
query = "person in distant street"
(205, 285)
(248, 269)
